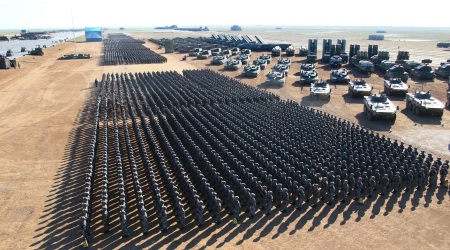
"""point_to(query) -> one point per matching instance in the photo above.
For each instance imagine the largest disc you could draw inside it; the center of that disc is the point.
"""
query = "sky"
(44, 14)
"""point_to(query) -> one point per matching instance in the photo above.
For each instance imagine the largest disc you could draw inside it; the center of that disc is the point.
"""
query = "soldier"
(163, 218)
(358, 188)
(123, 224)
(105, 218)
(443, 172)
(269, 201)
(409, 179)
(372, 186)
(252, 205)
(345, 190)
(384, 184)
(331, 193)
(83, 226)
(433, 177)
(217, 210)
(143, 212)
(397, 182)
(236, 208)
(301, 197)
(316, 194)
(324, 188)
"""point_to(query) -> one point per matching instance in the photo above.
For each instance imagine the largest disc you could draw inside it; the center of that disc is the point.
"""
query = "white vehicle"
(395, 86)
(276, 51)
(233, 65)
(379, 106)
(421, 102)
(251, 71)
(307, 66)
(320, 89)
(266, 57)
(275, 77)
(261, 62)
(285, 61)
(216, 51)
(205, 54)
(339, 75)
(247, 52)
(219, 60)
(359, 87)
(308, 76)
(283, 68)
(195, 52)
(243, 58)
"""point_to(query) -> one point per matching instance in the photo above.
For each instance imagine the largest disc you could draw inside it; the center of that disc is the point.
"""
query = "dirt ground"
(41, 105)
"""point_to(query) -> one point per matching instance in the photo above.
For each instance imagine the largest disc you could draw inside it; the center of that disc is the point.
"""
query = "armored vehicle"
(283, 68)
(443, 70)
(339, 75)
(275, 77)
(36, 52)
(303, 51)
(397, 71)
(75, 56)
(307, 66)
(308, 76)
(285, 61)
(447, 104)
(385, 65)
(205, 54)
(23, 49)
(276, 51)
(226, 52)
(423, 72)
(266, 57)
(243, 58)
(410, 65)
(216, 51)
(379, 106)
(251, 71)
(235, 51)
(233, 65)
(421, 102)
(195, 52)
(290, 51)
(395, 86)
(359, 87)
(365, 67)
(260, 62)
(9, 53)
(219, 60)
(246, 52)
(336, 61)
(311, 57)
(320, 89)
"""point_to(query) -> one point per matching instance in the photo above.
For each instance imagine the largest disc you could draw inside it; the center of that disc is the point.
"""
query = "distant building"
(236, 28)
(23, 31)
(94, 34)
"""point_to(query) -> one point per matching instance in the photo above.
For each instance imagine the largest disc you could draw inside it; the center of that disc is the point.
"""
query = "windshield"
(379, 98)
(320, 84)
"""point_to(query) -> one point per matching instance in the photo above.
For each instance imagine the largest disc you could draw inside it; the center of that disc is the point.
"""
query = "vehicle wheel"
(370, 116)
(441, 114)
(409, 106)
(353, 95)
(394, 118)
(417, 111)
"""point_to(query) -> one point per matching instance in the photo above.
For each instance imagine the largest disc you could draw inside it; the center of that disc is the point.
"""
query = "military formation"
(123, 50)
(207, 147)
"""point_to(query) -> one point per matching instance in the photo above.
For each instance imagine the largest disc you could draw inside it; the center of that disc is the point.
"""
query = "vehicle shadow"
(313, 102)
(422, 120)
(376, 124)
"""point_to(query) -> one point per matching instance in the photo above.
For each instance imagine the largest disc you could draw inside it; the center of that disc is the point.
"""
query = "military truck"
(395, 86)
(410, 65)
(359, 87)
(216, 51)
(421, 102)
(290, 51)
(443, 70)
(251, 71)
(397, 71)
(378, 106)
(276, 51)
(336, 61)
(365, 67)
(424, 72)
(339, 75)
(195, 51)
(36, 51)
(320, 89)
(303, 51)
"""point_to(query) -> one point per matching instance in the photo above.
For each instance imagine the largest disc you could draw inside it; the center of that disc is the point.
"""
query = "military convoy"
(421, 102)
(359, 87)
(395, 86)
(378, 106)
(251, 71)
(233, 65)
(275, 77)
(339, 75)
(320, 89)
(219, 60)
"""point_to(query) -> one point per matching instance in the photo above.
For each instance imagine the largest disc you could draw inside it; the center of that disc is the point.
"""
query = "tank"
(339, 75)
(247, 52)
(243, 58)
(251, 71)
(219, 60)
(36, 52)
(397, 71)
(307, 66)
(266, 57)
(216, 51)
(285, 61)
(276, 78)
(283, 68)
(308, 76)
(233, 65)
(260, 62)
(235, 51)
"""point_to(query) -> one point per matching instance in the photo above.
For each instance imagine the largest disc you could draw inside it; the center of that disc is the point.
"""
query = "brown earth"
(41, 106)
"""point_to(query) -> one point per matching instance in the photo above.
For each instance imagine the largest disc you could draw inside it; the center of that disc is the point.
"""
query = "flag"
(85, 243)
(235, 221)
